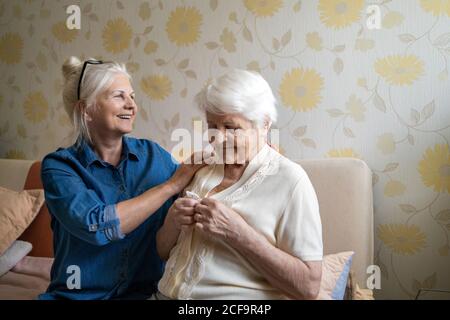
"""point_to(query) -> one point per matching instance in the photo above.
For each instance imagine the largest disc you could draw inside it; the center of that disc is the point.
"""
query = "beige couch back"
(344, 190)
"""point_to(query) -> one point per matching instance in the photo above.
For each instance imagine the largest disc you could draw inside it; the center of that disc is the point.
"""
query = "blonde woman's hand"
(187, 170)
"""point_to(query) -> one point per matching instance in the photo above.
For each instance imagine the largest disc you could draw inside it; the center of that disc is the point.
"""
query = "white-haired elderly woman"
(247, 229)
(107, 194)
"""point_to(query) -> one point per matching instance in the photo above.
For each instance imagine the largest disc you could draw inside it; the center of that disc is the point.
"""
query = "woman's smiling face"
(115, 109)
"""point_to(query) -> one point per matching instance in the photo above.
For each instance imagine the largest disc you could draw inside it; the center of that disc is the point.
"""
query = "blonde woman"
(108, 194)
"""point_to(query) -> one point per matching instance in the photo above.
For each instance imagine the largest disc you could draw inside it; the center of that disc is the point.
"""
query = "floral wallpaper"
(344, 90)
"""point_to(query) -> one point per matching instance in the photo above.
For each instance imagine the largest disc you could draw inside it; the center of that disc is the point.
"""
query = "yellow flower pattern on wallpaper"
(434, 168)
(401, 238)
(340, 13)
(263, 8)
(183, 26)
(436, 7)
(11, 45)
(157, 87)
(62, 34)
(400, 70)
(342, 90)
(300, 89)
(35, 107)
(117, 35)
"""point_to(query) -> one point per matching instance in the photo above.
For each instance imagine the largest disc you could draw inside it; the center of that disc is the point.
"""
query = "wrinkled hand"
(216, 219)
(181, 213)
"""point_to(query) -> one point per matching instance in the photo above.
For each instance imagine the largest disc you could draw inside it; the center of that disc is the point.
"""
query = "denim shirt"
(93, 259)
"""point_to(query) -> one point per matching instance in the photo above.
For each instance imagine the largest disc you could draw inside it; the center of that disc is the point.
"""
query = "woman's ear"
(82, 108)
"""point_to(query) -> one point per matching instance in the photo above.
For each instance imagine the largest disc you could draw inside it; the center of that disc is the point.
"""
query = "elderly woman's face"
(236, 136)
(116, 109)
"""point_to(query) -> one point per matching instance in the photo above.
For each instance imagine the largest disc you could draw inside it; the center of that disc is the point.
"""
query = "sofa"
(343, 187)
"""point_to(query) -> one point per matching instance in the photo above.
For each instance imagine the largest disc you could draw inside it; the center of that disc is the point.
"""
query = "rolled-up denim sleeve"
(78, 208)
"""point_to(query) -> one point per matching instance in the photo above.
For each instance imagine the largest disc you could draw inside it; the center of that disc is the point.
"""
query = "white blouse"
(275, 197)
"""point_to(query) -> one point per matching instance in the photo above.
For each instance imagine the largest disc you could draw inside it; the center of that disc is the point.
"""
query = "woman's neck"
(109, 150)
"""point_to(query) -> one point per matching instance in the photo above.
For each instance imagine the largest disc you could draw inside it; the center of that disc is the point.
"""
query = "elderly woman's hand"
(218, 220)
(181, 213)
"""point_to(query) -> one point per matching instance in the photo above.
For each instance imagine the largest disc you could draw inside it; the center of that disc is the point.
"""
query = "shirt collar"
(88, 156)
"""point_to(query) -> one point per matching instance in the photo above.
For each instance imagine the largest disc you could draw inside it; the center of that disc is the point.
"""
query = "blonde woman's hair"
(96, 78)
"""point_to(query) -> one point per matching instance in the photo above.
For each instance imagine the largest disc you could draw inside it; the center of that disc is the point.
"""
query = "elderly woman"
(253, 229)
(108, 193)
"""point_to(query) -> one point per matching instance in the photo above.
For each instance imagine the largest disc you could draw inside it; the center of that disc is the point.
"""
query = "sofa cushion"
(39, 233)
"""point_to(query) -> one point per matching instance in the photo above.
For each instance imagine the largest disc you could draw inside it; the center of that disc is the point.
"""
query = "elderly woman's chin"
(124, 126)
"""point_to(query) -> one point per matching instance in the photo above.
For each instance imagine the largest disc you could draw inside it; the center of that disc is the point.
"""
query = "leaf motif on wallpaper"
(272, 65)
(442, 41)
(392, 19)
(190, 74)
(183, 93)
(348, 132)
(233, 17)
(223, 63)
(339, 48)
(160, 5)
(247, 34)
(443, 217)
(297, 6)
(335, 113)
(407, 208)
(286, 38)
(213, 4)
(415, 116)
(175, 120)
(41, 61)
(120, 5)
(87, 35)
(93, 17)
(428, 110)
(300, 131)
(166, 124)
(211, 45)
(406, 37)
(275, 44)
(183, 64)
(148, 29)
(338, 65)
(145, 11)
(428, 283)
(253, 66)
(160, 62)
(379, 103)
(308, 143)
(390, 167)
(137, 41)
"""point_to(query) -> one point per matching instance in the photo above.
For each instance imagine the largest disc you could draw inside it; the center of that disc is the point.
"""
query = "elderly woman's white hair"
(96, 79)
(242, 92)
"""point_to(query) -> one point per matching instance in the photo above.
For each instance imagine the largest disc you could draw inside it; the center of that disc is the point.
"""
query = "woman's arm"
(133, 212)
(297, 279)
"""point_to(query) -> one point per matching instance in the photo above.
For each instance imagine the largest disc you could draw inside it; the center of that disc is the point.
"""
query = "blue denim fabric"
(81, 192)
